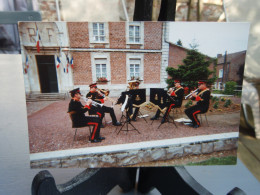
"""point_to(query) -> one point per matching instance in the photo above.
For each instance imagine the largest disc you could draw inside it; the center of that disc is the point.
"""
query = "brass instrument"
(187, 96)
(173, 89)
(105, 92)
(96, 104)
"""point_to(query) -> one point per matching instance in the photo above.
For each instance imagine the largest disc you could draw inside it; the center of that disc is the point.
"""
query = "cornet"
(187, 96)
(96, 104)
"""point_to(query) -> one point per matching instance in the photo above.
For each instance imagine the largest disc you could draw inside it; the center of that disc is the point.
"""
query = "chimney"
(219, 56)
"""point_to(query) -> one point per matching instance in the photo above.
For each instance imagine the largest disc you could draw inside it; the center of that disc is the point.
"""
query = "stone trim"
(123, 156)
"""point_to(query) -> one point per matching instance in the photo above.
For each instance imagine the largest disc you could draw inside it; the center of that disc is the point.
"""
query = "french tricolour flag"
(38, 38)
(27, 62)
(71, 62)
(58, 62)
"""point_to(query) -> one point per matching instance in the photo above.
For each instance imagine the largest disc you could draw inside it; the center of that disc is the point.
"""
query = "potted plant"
(102, 80)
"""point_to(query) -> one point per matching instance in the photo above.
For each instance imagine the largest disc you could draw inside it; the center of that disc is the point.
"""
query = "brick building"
(117, 51)
(178, 53)
(230, 68)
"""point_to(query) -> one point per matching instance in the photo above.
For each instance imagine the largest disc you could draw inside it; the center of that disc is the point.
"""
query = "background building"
(115, 51)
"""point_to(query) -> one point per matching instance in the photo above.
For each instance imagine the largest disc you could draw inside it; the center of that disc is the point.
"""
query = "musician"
(202, 106)
(99, 97)
(77, 110)
(129, 107)
(176, 97)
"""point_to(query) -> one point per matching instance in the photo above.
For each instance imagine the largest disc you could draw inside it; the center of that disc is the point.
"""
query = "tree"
(179, 43)
(195, 68)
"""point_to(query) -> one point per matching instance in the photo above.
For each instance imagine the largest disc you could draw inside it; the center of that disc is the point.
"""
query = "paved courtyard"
(50, 128)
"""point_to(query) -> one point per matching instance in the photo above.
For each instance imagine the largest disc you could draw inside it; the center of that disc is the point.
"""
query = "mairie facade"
(110, 53)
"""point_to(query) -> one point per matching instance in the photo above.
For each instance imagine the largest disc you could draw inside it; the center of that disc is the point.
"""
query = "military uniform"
(95, 96)
(77, 112)
(201, 107)
(176, 98)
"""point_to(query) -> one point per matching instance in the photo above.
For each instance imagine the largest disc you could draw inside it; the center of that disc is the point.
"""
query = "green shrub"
(227, 103)
(216, 105)
(222, 99)
(188, 104)
(230, 87)
(214, 99)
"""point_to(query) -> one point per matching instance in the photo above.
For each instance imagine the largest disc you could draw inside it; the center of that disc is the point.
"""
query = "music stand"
(159, 97)
(125, 117)
(138, 98)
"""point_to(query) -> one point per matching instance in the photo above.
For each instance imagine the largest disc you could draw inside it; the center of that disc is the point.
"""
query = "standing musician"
(202, 105)
(176, 97)
(99, 97)
(77, 110)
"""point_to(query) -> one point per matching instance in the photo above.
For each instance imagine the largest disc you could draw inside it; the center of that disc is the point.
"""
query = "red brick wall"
(234, 67)
(82, 68)
(152, 63)
(153, 35)
(117, 38)
(118, 67)
(176, 55)
(78, 34)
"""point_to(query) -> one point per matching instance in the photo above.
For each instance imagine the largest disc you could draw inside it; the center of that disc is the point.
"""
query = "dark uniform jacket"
(178, 96)
(203, 99)
(76, 111)
(96, 97)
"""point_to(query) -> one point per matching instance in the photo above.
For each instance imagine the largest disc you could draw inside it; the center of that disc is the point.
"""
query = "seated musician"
(130, 115)
(99, 97)
(77, 110)
(175, 101)
(202, 106)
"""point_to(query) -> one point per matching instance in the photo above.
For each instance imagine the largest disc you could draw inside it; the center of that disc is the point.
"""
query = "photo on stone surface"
(111, 94)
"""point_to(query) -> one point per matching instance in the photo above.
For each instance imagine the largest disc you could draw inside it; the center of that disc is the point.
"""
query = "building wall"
(78, 34)
(235, 64)
(176, 55)
(117, 35)
(153, 35)
(118, 67)
(82, 73)
(152, 65)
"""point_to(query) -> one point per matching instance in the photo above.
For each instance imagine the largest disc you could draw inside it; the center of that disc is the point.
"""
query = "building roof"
(184, 48)
(230, 56)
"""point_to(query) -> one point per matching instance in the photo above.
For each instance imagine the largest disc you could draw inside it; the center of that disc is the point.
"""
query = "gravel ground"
(50, 128)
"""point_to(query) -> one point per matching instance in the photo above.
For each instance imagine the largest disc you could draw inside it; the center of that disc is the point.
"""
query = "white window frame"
(95, 57)
(141, 33)
(220, 73)
(91, 34)
(137, 57)
(219, 85)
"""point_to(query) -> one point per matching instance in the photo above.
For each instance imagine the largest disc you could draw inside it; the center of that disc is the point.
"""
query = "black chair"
(77, 127)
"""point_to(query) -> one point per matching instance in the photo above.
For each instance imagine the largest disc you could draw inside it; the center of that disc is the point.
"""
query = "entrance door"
(47, 73)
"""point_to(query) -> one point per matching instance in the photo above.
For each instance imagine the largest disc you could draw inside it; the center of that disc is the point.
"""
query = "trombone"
(187, 96)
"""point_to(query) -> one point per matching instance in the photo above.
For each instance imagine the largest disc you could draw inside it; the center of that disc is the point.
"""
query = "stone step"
(32, 97)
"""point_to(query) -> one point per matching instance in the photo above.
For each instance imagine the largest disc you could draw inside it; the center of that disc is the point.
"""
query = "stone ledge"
(135, 156)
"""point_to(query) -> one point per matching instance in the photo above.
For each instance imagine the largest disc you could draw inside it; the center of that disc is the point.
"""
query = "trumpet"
(96, 104)
(173, 89)
(103, 92)
(187, 96)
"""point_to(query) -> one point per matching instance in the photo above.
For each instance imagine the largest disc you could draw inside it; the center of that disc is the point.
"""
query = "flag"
(27, 62)
(58, 60)
(71, 62)
(68, 62)
(38, 38)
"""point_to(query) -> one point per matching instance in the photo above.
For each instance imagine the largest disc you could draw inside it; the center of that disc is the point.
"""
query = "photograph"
(133, 94)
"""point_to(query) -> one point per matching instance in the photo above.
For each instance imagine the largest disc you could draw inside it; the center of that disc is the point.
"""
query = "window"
(134, 69)
(134, 34)
(101, 68)
(220, 73)
(99, 32)
(219, 85)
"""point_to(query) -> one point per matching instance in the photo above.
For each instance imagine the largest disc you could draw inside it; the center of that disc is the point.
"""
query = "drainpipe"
(58, 9)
